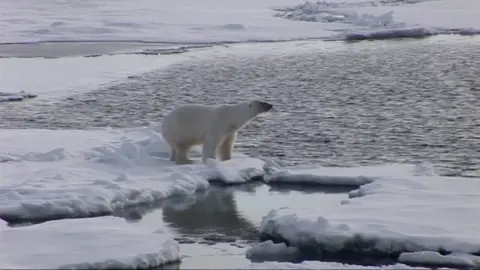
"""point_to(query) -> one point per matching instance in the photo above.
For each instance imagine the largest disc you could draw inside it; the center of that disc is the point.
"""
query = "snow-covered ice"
(191, 21)
(390, 216)
(49, 174)
(101, 243)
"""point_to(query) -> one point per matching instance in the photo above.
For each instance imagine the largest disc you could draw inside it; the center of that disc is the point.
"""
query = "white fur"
(213, 127)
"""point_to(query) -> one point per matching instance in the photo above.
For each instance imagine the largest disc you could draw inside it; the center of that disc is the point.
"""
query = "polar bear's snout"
(266, 106)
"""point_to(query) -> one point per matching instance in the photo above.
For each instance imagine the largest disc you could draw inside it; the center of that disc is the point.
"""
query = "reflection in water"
(237, 211)
(215, 211)
(233, 211)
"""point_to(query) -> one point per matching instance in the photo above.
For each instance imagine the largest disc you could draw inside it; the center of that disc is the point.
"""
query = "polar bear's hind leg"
(181, 154)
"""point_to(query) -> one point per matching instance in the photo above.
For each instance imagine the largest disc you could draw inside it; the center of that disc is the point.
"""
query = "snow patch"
(101, 243)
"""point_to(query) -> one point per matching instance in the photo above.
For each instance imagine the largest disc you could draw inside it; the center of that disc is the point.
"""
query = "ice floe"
(388, 217)
(96, 172)
(100, 243)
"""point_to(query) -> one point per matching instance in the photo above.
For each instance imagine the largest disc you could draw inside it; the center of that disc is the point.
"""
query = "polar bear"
(215, 128)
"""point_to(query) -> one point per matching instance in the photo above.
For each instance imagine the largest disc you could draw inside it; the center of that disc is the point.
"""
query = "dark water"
(339, 104)
(215, 228)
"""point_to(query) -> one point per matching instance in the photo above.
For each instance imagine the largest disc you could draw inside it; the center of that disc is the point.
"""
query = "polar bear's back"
(187, 123)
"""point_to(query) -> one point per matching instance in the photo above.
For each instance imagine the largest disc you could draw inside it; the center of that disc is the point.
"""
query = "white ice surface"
(209, 21)
(434, 258)
(391, 216)
(74, 75)
(71, 173)
(323, 265)
(101, 243)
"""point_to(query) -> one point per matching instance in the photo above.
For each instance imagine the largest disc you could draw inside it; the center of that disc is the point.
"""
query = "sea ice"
(217, 21)
(101, 243)
(390, 216)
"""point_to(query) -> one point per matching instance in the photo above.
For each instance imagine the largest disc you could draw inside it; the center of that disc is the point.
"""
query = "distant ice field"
(220, 21)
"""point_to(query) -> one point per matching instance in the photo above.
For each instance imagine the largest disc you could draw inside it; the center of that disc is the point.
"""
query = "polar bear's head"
(246, 111)
(238, 115)
(257, 107)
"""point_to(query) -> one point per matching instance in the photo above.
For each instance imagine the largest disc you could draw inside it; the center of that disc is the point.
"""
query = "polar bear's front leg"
(209, 148)
(226, 147)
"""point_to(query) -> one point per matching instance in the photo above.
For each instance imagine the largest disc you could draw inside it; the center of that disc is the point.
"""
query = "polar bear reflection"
(214, 212)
